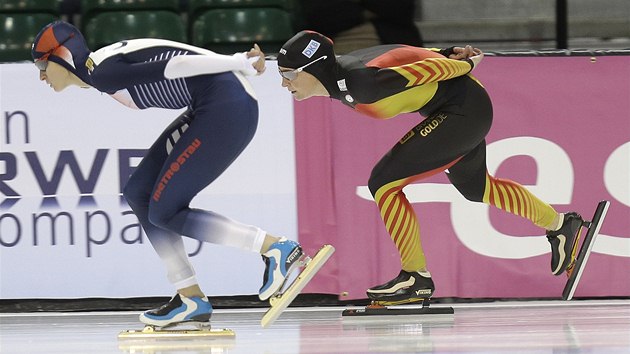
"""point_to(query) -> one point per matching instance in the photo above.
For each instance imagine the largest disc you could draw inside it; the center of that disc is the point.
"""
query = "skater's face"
(302, 86)
(56, 76)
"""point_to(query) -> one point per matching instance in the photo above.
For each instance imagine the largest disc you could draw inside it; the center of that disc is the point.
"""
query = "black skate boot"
(407, 287)
(564, 242)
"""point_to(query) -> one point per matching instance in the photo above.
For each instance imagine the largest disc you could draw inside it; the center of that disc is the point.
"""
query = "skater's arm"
(468, 53)
(248, 63)
(118, 72)
(423, 72)
(458, 53)
(425, 69)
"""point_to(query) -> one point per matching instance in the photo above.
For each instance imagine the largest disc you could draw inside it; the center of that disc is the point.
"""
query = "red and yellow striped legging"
(455, 143)
(402, 224)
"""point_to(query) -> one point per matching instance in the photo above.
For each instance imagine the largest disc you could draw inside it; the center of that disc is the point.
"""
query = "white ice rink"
(578, 326)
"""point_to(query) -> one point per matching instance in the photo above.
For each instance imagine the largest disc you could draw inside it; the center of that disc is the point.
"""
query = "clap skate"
(576, 266)
(408, 289)
(179, 311)
(195, 330)
(283, 298)
(196, 345)
(378, 309)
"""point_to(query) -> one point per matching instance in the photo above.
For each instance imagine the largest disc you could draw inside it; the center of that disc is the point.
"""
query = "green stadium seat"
(91, 8)
(194, 5)
(17, 32)
(30, 6)
(110, 27)
(197, 7)
(128, 5)
(235, 30)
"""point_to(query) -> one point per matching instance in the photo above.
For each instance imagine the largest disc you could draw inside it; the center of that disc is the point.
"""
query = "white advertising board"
(65, 231)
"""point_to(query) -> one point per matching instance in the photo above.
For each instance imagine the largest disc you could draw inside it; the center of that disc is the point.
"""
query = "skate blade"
(151, 332)
(578, 237)
(395, 310)
(579, 263)
(292, 275)
(281, 301)
(381, 303)
(176, 346)
(569, 269)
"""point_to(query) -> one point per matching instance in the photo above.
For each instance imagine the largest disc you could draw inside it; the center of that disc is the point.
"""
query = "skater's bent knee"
(470, 191)
(135, 196)
(158, 217)
(473, 197)
(374, 184)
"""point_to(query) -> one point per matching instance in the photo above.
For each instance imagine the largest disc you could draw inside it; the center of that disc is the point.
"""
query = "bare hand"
(466, 52)
(259, 64)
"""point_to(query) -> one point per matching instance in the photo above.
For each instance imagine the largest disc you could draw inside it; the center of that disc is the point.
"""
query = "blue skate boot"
(564, 242)
(178, 310)
(281, 258)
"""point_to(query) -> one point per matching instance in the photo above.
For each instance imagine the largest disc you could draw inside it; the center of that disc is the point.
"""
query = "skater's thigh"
(440, 140)
(216, 136)
(142, 181)
(468, 175)
(430, 147)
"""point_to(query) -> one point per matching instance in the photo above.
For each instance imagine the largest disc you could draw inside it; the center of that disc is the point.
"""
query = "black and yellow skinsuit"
(384, 81)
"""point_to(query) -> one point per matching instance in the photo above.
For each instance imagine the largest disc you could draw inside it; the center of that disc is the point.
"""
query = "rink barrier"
(18, 280)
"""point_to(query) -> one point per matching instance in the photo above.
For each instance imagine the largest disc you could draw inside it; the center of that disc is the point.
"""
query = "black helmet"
(306, 47)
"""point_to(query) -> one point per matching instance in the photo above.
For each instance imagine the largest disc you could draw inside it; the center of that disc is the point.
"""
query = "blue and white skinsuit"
(220, 121)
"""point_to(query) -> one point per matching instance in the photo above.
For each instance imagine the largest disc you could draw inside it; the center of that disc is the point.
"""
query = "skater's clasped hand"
(259, 64)
(462, 53)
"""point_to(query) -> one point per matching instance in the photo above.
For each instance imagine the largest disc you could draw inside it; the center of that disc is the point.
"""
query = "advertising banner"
(65, 230)
(561, 128)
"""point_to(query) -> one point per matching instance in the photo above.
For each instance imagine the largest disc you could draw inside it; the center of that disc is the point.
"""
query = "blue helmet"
(63, 44)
